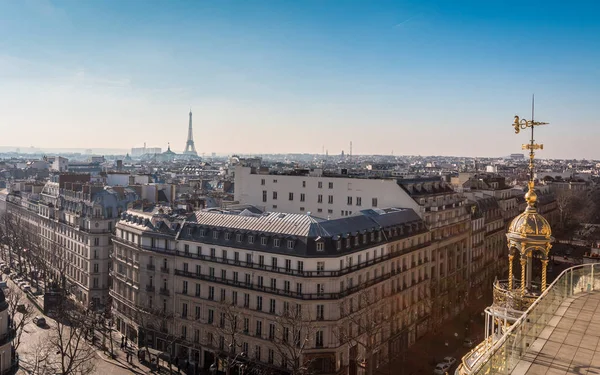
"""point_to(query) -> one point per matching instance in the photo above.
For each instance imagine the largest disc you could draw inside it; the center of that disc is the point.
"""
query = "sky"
(408, 77)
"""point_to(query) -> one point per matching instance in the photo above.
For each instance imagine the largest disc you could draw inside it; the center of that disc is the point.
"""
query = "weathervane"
(519, 124)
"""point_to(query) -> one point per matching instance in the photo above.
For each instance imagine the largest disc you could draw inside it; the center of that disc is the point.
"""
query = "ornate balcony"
(513, 299)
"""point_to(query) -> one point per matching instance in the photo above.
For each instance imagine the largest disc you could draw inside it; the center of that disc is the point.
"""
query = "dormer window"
(276, 242)
(251, 239)
(216, 235)
(348, 243)
(290, 244)
(339, 244)
(202, 233)
(227, 236)
(356, 240)
(372, 236)
(263, 241)
(238, 237)
(321, 246)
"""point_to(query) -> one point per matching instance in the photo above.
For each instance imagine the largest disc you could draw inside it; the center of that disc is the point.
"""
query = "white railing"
(502, 357)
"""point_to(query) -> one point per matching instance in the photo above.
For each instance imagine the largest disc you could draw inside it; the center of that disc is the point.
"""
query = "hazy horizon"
(412, 78)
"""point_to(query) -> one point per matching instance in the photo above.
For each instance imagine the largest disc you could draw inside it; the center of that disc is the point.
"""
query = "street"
(34, 337)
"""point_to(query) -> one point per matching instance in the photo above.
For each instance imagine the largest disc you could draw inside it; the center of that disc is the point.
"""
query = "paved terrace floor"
(570, 343)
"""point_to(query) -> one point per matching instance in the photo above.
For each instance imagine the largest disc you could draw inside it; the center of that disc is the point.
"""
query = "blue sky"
(419, 77)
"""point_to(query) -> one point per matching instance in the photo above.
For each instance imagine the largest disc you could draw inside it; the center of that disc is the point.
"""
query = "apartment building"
(323, 195)
(478, 251)
(72, 222)
(444, 212)
(190, 266)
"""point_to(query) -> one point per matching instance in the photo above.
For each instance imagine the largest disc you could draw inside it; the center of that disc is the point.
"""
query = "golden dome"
(530, 224)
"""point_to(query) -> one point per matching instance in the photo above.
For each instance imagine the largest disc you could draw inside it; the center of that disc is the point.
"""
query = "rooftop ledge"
(558, 333)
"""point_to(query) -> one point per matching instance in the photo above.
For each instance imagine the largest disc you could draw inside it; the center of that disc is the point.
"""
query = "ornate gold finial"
(518, 124)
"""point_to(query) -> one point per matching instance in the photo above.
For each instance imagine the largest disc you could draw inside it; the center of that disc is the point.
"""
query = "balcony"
(150, 267)
(150, 288)
(164, 292)
(164, 269)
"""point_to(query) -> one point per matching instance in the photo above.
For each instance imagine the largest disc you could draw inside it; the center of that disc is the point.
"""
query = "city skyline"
(296, 77)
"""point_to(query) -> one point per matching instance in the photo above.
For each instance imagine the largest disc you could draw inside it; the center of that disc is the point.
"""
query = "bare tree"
(229, 328)
(38, 359)
(106, 324)
(19, 317)
(161, 323)
(295, 330)
(67, 339)
(15, 238)
(362, 327)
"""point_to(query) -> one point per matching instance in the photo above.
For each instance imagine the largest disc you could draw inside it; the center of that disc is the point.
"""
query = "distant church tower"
(190, 149)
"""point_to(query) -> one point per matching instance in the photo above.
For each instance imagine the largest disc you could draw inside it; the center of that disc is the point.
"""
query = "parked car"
(468, 343)
(27, 288)
(441, 368)
(449, 360)
(40, 321)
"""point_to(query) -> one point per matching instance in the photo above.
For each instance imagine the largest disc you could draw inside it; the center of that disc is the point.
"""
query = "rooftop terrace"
(558, 334)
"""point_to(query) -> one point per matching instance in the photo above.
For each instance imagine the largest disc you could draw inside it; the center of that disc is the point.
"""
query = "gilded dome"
(530, 224)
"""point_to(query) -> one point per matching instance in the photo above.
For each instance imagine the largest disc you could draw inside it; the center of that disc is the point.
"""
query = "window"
(184, 288)
(320, 312)
(97, 241)
(224, 275)
(215, 235)
(274, 263)
(247, 278)
(273, 284)
(197, 290)
(258, 328)
(320, 246)
(320, 184)
(349, 201)
(274, 195)
(374, 202)
(358, 201)
(185, 267)
(320, 267)
(211, 272)
(238, 237)
(251, 239)
(286, 286)
(211, 316)
(320, 289)
(272, 306)
(198, 269)
(320, 198)
(236, 256)
(303, 184)
(257, 353)
(197, 312)
(260, 281)
(290, 244)
(276, 242)
(211, 293)
(261, 261)
(274, 181)
(259, 303)
(299, 288)
(246, 300)
(246, 325)
(227, 236)
(263, 241)
(186, 249)
(96, 267)
(302, 197)
(331, 185)
(184, 310)
(291, 196)
(262, 181)
(319, 339)
(183, 332)
(235, 276)
(300, 266)
(330, 199)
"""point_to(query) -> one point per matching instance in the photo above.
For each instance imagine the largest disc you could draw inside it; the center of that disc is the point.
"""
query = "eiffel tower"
(190, 149)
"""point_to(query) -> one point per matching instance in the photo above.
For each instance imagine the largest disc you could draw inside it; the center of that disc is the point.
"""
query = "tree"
(362, 327)
(159, 322)
(38, 359)
(295, 330)
(14, 238)
(19, 317)
(67, 339)
(229, 329)
(106, 323)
